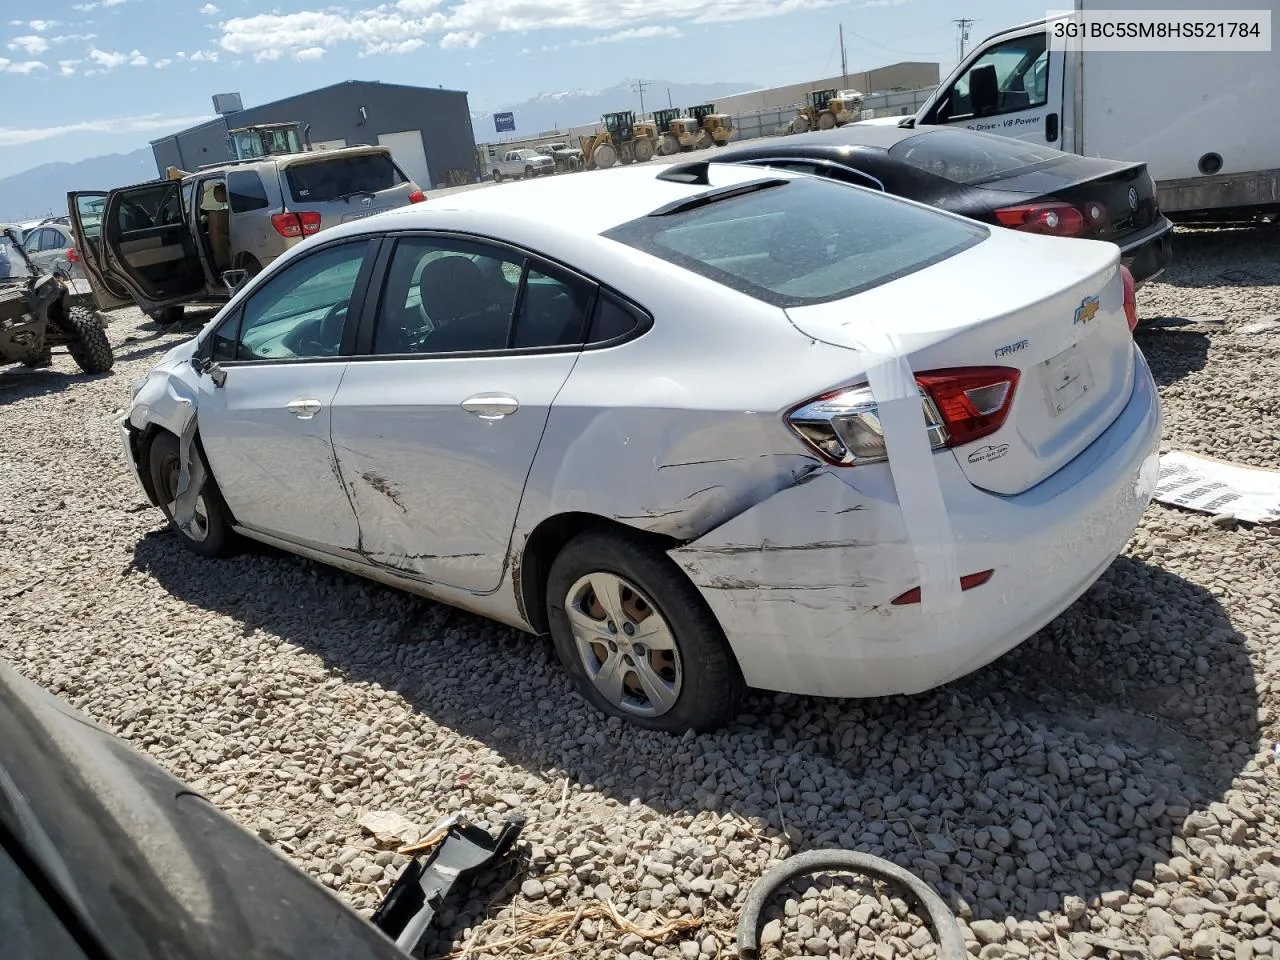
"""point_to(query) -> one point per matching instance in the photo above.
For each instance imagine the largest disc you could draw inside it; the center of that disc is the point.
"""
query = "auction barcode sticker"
(1160, 31)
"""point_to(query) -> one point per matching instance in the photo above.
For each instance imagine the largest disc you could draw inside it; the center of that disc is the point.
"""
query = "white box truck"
(1203, 122)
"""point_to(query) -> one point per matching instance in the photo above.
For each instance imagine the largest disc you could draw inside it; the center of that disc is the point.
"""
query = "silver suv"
(193, 237)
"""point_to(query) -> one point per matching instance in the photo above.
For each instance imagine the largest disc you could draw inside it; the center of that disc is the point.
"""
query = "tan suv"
(193, 238)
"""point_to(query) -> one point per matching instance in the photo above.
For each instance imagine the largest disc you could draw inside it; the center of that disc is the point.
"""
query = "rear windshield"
(317, 181)
(807, 241)
(969, 157)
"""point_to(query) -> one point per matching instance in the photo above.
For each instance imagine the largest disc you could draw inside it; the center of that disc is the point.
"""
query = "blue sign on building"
(504, 122)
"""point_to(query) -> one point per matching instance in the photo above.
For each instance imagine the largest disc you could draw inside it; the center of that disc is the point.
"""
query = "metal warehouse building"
(428, 130)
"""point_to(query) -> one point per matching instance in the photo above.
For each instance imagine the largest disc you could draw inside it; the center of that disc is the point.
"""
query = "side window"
(831, 171)
(613, 318)
(188, 192)
(1021, 71)
(247, 191)
(447, 296)
(36, 242)
(226, 336)
(31, 929)
(301, 311)
(553, 309)
(141, 208)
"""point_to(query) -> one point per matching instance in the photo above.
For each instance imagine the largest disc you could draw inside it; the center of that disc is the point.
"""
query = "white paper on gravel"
(1214, 486)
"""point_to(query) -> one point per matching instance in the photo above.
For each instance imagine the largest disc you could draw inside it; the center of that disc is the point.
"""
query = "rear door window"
(336, 178)
(246, 190)
(802, 242)
(972, 158)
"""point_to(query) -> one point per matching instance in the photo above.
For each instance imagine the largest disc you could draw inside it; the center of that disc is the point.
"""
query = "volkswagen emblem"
(1133, 198)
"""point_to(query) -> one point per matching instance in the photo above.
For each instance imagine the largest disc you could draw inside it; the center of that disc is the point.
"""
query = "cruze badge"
(1087, 310)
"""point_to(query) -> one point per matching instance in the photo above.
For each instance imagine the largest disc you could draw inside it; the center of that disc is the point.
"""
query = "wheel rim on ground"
(605, 156)
(199, 528)
(826, 122)
(625, 645)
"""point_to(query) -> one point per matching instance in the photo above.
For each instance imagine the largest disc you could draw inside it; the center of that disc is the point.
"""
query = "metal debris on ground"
(1248, 494)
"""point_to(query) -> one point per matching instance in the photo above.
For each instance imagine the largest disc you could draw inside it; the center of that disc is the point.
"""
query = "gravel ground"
(1107, 789)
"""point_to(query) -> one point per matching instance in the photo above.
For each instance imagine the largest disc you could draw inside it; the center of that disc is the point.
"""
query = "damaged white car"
(709, 428)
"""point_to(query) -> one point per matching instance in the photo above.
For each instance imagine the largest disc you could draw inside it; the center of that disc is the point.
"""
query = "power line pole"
(844, 60)
(962, 28)
(640, 85)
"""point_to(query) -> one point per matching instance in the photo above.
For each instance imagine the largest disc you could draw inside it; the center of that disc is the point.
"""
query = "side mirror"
(207, 365)
(984, 91)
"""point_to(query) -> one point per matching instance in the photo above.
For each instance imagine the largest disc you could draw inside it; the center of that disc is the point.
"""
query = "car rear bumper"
(1148, 253)
(802, 583)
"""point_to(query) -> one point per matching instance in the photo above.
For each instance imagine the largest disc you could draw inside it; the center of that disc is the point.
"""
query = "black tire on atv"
(166, 316)
(89, 346)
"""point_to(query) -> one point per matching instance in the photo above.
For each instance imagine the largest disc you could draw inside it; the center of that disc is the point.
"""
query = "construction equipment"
(622, 141)
(268, 140)
(714, 128)
(827, 109)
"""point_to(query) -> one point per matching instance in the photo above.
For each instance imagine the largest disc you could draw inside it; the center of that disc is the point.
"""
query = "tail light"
(417, 196)
(1054, 218)
(1130, 297)
(73, 255)
(960, 405)
(967, 582)
(302, 224)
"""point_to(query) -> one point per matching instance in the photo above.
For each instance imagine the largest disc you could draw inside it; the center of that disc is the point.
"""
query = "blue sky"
(80, 78)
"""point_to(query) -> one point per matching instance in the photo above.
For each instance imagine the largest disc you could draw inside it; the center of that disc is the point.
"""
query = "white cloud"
(28, 66)
(93, 4)
(30, 45)
(12, 136)
(204, 56)
(208, 9)
(264, 56)
(310, 53)
(400, 46)
(68, 67)
(68, 37)
(390, 26)
(136, 59)
(162, 63)
(40, 26)
(635, 33)
(461, 38)
(106, 59)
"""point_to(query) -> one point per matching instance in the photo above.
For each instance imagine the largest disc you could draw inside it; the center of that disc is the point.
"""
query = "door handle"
(303, 409)
(491, 406)
(1051, 128)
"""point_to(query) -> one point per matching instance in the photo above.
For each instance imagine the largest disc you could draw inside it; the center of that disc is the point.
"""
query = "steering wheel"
(328, 333)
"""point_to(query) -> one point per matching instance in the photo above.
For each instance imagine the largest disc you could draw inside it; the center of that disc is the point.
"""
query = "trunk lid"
(1126, 193)
(1052, 309)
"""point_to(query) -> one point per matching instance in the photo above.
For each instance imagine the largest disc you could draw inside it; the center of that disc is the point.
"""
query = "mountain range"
(42, 190)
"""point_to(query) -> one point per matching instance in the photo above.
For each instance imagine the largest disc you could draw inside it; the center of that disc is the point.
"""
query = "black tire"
(250, 265)
(89, 346)
(711, 683)
(528, 173)
(497, 175)
(164, 462)
(167, 316)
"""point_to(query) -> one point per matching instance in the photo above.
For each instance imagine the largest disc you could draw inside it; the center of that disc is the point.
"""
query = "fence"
(775, 122)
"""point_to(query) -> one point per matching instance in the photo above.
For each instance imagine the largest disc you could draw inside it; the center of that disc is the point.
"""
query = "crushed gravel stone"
(1108, 789)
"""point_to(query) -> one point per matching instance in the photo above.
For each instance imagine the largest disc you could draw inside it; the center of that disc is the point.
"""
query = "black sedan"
(994, 179)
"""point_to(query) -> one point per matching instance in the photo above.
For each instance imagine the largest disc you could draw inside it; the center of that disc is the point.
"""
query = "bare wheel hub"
(625, 644)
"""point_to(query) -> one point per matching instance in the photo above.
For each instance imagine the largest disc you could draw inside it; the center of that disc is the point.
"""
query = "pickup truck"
(522, 163)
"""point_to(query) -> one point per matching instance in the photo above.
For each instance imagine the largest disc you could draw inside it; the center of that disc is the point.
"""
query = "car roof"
(592, 202)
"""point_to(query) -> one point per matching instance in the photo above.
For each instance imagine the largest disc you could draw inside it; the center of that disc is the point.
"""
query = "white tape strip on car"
(906, 438)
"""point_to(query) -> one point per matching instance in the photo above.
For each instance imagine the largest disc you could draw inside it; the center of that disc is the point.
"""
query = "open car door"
(146, 246)
(85, 210)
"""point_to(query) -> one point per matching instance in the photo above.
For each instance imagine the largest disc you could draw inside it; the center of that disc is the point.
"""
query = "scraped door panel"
(436, 484)
(266, 435)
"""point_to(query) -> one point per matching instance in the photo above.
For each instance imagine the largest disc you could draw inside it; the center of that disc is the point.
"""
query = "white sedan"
(709, 428)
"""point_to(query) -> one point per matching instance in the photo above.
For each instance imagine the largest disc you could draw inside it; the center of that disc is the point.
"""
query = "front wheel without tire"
(89, 346)
(637, 637)
(210, 533)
